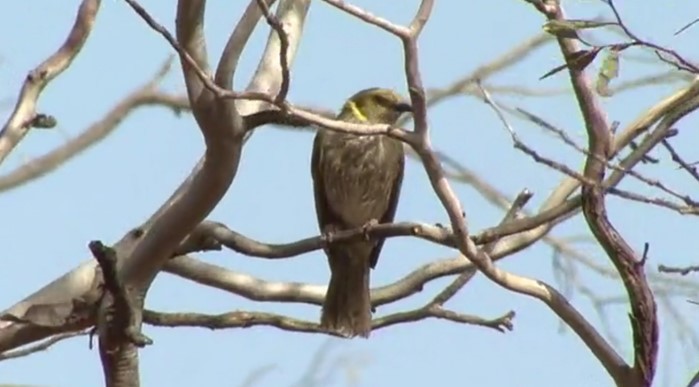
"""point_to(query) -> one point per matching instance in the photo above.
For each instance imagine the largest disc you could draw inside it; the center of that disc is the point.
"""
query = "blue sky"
(114, 185)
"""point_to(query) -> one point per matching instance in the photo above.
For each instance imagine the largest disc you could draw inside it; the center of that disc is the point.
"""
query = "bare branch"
(228, 62)
(283, 50)
(242, 319)
(146, 95)
(68, 302)
(369, 17)
(643, 309)
(237, 319)
(451, 290)
(604, 352)
(350, 127)
(679, 270)
(42, 346)
(267, 79)
(686, 26)
(692, 206)
(421, 17)
(222, 128)
(679, 62)
(210, 235)
(20, 121)
(268, 291)
(691, 203)
(500, 324)
(667, 111)
(692, 170)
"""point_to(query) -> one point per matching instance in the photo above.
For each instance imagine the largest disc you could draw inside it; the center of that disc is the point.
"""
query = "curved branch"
(644, 321)
(222, 128)
(257, 289)
(24, 115)
(244, 245)
(190, 36)
(268, 78)
(42, 346)
(67, 302)
(227, 64)
(540, 290)
(283, 51)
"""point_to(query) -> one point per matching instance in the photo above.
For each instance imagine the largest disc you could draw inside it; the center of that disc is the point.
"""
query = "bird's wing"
(390, 209)
(324, 212)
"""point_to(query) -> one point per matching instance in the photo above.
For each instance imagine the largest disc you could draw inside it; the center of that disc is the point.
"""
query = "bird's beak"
(404, 107)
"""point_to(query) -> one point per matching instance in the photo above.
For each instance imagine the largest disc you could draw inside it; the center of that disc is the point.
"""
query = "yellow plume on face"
(356, 112)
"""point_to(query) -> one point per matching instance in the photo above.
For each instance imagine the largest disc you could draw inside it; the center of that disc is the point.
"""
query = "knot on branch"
(121, 322)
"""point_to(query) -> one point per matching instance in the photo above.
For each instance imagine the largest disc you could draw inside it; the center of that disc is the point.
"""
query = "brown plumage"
(356, 180)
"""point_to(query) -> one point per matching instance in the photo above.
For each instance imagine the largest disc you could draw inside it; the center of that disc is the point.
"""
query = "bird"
(356, 182)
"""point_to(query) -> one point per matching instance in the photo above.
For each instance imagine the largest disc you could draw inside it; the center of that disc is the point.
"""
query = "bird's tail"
(347, 306)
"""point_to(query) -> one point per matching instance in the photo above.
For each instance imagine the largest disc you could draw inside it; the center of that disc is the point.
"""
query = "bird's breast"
(359, 174)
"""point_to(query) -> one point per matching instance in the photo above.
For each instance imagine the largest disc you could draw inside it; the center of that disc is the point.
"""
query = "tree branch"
(690, 169)
(146, 95)
(25, 112)
(67, 302)
(223, 129)
(283, 51)
(643, 309)
(244, 319)
(42, 346)
(269, 75)
(239, 37)
(121, 317)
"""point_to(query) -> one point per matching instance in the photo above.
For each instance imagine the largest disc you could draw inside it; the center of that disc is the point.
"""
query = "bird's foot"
(366, 228)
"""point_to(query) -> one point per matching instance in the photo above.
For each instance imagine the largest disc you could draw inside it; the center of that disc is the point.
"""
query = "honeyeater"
(356, 180)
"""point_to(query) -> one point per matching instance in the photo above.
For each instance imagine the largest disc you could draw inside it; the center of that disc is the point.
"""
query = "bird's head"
(375, 106)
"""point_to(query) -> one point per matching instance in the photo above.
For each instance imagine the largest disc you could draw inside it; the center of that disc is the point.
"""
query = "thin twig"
(681, 63)
(679, 270)
(42, 346)
(273, 22)
(570, 142)
(692, 170)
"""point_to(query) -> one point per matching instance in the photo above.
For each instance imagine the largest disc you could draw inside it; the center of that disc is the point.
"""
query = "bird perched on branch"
(357, 181)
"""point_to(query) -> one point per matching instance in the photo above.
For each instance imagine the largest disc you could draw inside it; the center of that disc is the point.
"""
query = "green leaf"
(579, 60)
(561, 29)
(608, 71)
(569, 28)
